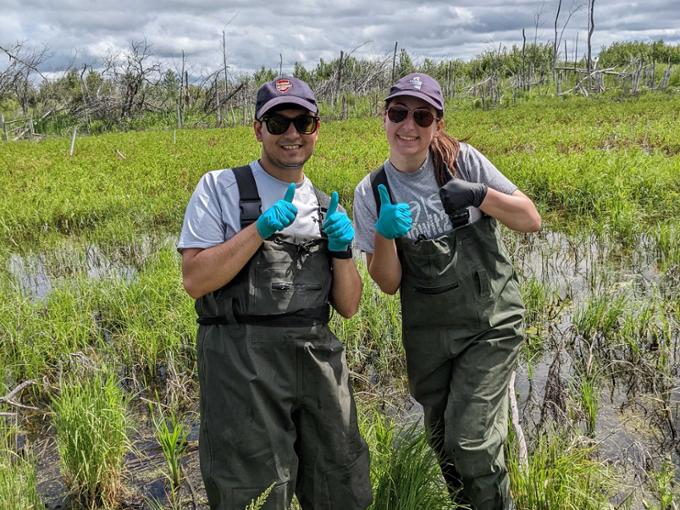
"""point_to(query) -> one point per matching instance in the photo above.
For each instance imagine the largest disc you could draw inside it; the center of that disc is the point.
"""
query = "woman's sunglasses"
(422, 116)
(278, 124)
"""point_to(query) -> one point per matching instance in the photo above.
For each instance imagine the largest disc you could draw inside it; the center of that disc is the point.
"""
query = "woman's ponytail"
(444, 149)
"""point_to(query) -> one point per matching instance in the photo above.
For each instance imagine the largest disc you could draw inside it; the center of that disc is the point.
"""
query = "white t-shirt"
(420, 191)
(213, 215)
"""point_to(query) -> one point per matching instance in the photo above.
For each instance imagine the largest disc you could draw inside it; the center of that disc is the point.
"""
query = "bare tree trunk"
(394, 60)
(280, 64)
(554, 55)
(576, 52)
(338, 84)
(180, 98)
(187, 96)
(5, 136)
(523, 76)
(218, 109)
(226, 78)
(591, 29)
(73, 141)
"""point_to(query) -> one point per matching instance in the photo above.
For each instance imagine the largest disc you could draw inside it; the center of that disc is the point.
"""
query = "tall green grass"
(91, 422)
(18, 477)
(611, 166)
(172, 437)
(563, 474)
(404, 470)
(373, 335)
(143, 324)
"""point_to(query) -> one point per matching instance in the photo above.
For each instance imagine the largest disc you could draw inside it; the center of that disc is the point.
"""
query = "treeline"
(133, 91)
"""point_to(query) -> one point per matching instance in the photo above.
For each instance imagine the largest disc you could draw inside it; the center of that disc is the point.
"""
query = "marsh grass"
(590, 402)
(18, 483)
(599, 319)
(373, 336)
(259, 502)
(151, 320)
(404, 470)
(172, 437)
(600, 178)
(562, 475)
(667, 240)
(542, 305)
(18, 477)
(92, 437)
(664, 486)
(631, 337)
(141, 323)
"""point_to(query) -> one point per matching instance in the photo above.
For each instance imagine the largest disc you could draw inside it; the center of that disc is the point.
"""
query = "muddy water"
(634, 430)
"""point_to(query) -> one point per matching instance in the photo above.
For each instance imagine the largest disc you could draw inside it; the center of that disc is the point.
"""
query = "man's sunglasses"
(278, 124)
(422, 116)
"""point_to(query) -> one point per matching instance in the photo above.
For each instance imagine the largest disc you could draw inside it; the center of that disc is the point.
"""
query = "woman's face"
(409, 142)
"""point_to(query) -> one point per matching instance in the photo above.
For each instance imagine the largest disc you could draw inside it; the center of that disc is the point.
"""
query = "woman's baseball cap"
(421, 86)
(284, 90)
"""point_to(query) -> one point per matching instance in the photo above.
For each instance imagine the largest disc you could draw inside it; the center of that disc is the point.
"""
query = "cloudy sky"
(257, 32)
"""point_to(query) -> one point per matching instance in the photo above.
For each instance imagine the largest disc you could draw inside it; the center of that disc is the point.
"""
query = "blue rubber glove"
(395, 219)
(337, 226)
(278, 216)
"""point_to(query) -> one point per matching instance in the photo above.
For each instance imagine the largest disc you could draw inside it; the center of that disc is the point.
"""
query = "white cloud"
(305, 31)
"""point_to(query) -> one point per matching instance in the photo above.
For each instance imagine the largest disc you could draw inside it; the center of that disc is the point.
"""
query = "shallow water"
(632, 432)
(37, 274)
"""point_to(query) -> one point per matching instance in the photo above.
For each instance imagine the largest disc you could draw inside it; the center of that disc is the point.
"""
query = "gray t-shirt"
(213, 215)
(420, 191)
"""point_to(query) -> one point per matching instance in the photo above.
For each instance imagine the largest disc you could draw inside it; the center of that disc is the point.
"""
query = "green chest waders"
(461, 327)
(276, 405)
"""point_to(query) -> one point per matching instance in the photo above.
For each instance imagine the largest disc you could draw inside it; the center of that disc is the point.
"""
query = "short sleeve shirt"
(420, 191)
(213, 214)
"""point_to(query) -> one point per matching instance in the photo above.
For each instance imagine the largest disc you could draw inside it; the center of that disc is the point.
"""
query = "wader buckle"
(460, 217)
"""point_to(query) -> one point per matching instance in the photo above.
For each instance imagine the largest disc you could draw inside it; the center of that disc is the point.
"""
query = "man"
(264, 254)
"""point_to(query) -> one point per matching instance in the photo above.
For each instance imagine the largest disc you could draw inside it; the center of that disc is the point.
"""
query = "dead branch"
(9, 398)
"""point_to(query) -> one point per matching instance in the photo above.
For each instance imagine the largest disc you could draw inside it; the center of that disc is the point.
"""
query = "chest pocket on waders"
(438, 285)
(288, 277)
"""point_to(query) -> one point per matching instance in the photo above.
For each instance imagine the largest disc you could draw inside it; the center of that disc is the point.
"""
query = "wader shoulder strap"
(323, 201)
(378, 177)
(249, 201)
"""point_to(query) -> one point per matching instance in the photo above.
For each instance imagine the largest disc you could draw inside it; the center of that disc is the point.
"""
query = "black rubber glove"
(458, 194)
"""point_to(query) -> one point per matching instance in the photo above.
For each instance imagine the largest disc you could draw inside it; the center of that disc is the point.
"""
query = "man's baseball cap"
(421, 86)
(284, 90)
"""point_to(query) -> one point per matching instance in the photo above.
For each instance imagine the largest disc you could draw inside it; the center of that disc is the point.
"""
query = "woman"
(427, 223)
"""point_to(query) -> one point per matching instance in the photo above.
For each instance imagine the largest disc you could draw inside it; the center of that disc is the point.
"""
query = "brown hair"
(444, 150)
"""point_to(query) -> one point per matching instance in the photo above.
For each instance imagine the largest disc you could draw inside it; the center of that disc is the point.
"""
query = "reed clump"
(91, 422)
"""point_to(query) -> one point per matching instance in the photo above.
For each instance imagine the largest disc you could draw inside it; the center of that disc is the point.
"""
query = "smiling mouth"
(407, 138)
(291, 147)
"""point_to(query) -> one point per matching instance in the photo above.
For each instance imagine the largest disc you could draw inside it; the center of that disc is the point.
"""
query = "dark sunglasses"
(422, 116)
(278, 124)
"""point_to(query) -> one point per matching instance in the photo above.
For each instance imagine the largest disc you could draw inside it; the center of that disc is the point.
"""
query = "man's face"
(288, 150)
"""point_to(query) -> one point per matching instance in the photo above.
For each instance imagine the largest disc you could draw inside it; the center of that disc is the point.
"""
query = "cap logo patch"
(416, 82)
(282, 85)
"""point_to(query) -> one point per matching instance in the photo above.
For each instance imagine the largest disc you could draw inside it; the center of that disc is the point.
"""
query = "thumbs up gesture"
(337, 227)
(278, 216)
(394, 219)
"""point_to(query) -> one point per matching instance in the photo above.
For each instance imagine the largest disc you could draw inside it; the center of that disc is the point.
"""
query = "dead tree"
(16, 77)
(591, 29)
(555, 44)
(136, 74)
(558, 39)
